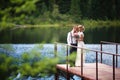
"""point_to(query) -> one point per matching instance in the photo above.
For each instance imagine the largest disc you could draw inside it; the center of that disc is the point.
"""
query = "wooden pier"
(92, 71)
(105, 72)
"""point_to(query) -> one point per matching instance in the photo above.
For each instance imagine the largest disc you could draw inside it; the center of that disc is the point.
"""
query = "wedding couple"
(76, 38)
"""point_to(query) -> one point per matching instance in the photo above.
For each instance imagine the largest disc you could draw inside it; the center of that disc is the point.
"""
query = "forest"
(39, 12)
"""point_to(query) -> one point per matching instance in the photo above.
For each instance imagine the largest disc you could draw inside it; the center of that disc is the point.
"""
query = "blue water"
(47, 50)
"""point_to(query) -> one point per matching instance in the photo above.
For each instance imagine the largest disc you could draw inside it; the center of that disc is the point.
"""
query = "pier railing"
(96, 53)
(116, 51)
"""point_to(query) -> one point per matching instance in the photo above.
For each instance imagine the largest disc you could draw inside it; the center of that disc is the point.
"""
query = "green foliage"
(75, 10)
(104, 9)
(23, 5)
(72, 58)
(64, 6)
(39, 68)
(7, 67)
(29, 64)
(101, 23)
(33, 64)
(23, 12)
(16, 12)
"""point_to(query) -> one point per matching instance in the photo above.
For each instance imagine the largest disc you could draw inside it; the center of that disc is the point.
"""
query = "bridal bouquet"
(76, 35)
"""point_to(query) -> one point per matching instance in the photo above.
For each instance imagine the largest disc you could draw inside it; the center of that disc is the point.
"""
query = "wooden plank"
(105, 72)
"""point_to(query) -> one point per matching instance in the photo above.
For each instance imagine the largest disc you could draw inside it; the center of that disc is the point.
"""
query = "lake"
(47, 50)
(93, 35)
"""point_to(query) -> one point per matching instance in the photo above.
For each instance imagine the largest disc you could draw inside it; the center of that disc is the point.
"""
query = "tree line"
(50, 11)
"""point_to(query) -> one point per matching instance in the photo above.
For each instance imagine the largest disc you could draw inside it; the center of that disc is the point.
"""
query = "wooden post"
(96, 65)
(55, 49)
(67, 61)
(56, 75)
(55, 55)
(113, 67)
(116, 56)
(101, 50)
(81, 61)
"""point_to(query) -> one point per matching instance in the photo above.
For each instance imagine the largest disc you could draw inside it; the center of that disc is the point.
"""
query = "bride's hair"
(81, 26)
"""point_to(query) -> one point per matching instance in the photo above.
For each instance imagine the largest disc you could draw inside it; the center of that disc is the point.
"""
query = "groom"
(72, 40)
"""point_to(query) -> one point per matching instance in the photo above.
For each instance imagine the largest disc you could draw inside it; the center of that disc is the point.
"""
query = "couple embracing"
(76, 38)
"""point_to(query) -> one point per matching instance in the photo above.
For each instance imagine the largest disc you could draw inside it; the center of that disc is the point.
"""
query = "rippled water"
(48, 50)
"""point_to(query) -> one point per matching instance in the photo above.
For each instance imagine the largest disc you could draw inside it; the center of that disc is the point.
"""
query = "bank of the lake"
(95, 31)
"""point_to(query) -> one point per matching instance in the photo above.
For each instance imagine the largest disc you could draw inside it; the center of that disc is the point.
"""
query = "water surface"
(47, 50)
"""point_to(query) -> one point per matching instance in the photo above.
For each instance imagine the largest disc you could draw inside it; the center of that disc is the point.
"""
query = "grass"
(87, 23)
(99, 23)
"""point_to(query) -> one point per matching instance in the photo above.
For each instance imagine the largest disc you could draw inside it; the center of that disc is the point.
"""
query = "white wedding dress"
(79, 51)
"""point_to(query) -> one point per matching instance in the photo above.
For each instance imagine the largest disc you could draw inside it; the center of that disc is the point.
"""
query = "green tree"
(16, 11)
(64, 6)
(117, 8)
(85, 6)
(103, 9)
(75, 10)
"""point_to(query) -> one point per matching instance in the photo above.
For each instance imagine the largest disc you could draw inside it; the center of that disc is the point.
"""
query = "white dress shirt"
(71, 38)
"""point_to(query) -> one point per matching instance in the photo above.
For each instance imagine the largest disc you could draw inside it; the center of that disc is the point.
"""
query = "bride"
(80, 44)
